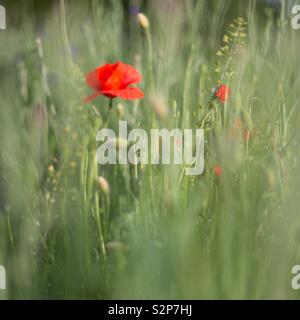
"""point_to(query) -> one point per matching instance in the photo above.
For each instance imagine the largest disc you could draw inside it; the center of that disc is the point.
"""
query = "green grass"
(154, 235)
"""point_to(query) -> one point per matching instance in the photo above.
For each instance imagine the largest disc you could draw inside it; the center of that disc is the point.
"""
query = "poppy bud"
(50, 169)
(103, 185)
(120, 110)
(143, 21)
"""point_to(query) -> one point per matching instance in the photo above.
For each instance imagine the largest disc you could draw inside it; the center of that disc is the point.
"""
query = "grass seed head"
(159, 106)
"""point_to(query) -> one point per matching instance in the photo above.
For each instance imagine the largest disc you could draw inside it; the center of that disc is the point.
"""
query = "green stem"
(64, 29)
(108, 113)
(150, 59)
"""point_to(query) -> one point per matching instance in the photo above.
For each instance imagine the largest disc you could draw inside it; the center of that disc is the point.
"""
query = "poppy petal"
(129, 74)
(127, 94)
(96, 78)
(114, 81)
(92, 97)
(105, 72)
(92, 80)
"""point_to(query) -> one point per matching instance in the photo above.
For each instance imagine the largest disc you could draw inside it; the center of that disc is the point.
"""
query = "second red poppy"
(222, 93)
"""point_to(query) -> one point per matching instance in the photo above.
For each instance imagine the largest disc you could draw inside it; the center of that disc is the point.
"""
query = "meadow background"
(154, 233)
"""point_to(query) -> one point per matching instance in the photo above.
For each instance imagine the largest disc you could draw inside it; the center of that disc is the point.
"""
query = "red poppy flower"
(223, 93)
(218, 170)
(114, 80)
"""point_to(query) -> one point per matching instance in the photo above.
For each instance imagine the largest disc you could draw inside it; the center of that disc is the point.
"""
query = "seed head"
(143, 21)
